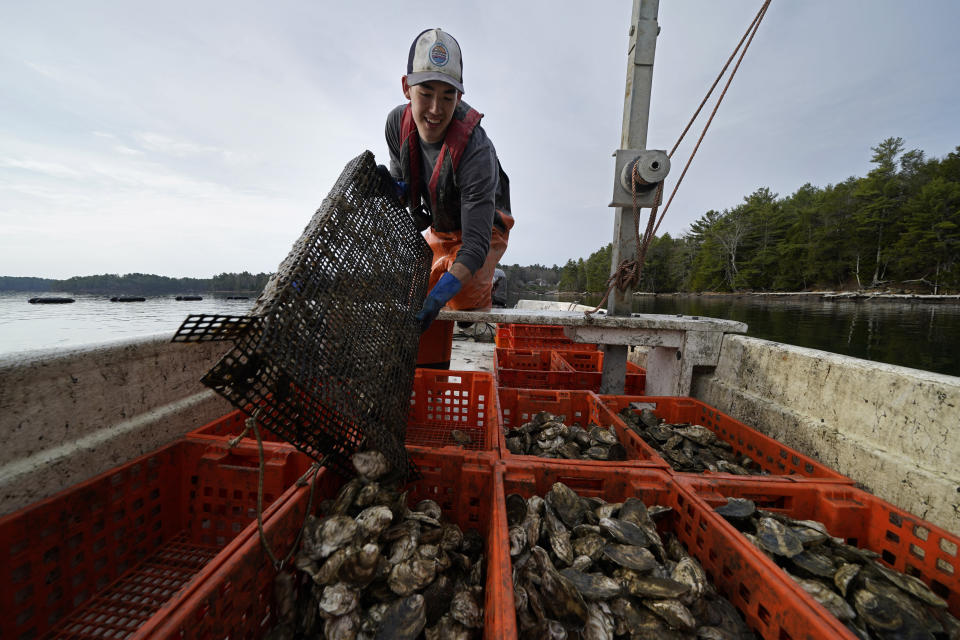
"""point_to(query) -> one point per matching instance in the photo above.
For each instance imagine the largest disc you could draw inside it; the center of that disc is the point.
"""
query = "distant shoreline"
(823, 295)
(856, 296)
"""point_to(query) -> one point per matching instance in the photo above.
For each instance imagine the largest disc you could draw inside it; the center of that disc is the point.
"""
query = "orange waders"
(437, 341)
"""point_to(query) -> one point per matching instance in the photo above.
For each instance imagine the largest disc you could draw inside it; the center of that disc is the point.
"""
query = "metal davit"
(326, 357)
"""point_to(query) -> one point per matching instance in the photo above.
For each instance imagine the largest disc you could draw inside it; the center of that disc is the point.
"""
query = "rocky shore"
(819, 295)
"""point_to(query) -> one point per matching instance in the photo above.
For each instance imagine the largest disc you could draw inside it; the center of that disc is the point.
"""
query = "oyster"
(345, 627)
(333, 533)
(623, 580)
(600, 624)
(359, 566)
(337, 600)
(625, 532)
(566, 503)
(546, 435)
(777, 538)
(516, 509)
(737, 508)
(832, 602)
(673, 613)
(630, 556)
(370, 465)
(373, 520)
(655, 587)
(437, 598)
(403, 620)
(687, 447)
(466, 609)
(592, 586)
(815, 564)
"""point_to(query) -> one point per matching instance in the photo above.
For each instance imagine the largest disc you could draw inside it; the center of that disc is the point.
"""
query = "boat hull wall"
(890, 428)
(68, 415)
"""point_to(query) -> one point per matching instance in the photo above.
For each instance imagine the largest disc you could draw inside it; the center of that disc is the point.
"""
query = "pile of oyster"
(585, 568)
(547, 436)
(375, 569)
(872, 600)
(688, 447)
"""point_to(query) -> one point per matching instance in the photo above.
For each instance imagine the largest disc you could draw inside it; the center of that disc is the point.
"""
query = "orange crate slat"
(231, 425)
(634, 383)
(442, 401)
(770, 455)
(518, 406)
(591, 361)
(768, 605)
(534, 330)
(549, 343)
(141, 534)
(525, 359)
(904, 541)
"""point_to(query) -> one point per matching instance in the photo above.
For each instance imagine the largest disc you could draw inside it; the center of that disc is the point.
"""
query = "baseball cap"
(435, 55)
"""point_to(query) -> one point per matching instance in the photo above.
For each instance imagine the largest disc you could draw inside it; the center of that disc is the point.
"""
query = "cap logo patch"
(439, 55)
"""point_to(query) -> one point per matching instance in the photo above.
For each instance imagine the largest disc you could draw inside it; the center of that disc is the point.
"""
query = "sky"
(192, 138)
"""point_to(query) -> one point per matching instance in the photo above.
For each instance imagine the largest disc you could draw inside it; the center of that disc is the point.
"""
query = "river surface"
(921, 335)
(913, 334)
(94, 319)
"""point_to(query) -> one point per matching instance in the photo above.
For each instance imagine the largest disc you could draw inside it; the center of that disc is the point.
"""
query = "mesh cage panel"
(328, 352)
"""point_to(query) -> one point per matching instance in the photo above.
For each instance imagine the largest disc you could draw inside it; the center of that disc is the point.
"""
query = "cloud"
(51, 169)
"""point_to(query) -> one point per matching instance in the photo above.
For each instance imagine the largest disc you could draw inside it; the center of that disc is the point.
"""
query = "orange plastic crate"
(768, 605)
(442, 401)
(462, 482)
(518, 406)
(634, 383)
(117, 554)
(238, 601)
(523, 359)
(904, 541)
(774, 457)
(231, 425)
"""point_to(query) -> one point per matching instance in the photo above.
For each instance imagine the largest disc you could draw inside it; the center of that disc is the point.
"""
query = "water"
(94, 319)
(919, 335)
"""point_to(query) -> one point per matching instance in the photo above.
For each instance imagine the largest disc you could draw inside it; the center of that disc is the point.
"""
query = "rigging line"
(717, 80)
(733, 72)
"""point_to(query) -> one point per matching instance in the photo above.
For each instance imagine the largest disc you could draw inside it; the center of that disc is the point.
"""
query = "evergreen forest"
(898, 227)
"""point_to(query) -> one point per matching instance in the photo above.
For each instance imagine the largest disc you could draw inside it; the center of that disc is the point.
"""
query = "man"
(453, 184)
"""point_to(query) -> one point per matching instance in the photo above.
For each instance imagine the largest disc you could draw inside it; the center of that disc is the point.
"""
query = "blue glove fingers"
(447, 287)
(426, 315)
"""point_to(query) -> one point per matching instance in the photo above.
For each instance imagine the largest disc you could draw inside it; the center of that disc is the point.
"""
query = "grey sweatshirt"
(476, 176)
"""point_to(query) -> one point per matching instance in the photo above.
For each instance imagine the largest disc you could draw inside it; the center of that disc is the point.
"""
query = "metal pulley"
(652, 166)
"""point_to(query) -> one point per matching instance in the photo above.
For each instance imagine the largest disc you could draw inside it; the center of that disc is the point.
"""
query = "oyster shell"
(403, 620)
(370, 465)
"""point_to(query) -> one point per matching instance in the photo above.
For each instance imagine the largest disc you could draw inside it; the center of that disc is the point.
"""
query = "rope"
(251, 423)
(755, 25)
(627, 275)
(757, 17)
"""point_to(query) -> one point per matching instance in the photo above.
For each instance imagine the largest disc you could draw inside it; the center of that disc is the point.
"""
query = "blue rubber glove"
(447, 287)
(399, 186)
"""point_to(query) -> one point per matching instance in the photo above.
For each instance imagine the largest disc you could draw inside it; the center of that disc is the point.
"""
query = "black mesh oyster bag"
(325, 359)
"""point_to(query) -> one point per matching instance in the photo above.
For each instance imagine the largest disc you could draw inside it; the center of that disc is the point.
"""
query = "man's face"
(432, 103)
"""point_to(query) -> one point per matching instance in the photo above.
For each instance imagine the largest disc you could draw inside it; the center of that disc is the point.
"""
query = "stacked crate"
(542, 357)
(168, 545)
